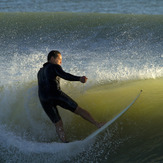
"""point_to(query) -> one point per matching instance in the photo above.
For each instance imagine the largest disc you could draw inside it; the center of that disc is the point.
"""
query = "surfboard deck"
(112, 120)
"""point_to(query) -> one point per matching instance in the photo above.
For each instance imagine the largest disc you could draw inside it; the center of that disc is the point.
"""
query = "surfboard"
(112, 120)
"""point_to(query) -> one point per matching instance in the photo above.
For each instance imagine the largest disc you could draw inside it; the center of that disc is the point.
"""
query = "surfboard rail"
(112, 120)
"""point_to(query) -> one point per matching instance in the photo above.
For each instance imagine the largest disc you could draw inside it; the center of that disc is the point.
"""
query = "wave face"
(130, 46)
(120, 54)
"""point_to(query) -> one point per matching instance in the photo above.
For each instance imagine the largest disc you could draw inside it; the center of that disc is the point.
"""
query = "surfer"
(51, 95)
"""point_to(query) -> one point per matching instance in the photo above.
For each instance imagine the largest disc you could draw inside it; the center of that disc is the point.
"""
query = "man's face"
(58, 60)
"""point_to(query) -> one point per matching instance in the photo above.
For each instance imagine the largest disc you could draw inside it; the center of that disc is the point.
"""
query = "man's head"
(55, 57)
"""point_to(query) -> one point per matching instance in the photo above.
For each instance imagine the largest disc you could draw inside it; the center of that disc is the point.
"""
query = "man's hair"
(53, 53)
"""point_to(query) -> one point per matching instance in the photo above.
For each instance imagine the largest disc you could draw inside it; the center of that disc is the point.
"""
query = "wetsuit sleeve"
(64, 75)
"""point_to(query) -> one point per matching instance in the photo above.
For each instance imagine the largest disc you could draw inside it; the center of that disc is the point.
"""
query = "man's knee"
(78, 110)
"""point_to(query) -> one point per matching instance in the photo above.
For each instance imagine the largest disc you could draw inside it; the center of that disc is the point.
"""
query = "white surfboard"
(114, 119)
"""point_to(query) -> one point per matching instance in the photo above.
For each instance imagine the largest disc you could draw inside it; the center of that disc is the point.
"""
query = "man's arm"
(67, 76)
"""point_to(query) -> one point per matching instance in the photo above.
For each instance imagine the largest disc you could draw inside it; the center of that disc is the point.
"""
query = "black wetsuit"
(49, 91)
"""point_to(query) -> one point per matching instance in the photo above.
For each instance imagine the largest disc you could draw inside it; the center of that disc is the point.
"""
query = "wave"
(27, 131)
(81, 28)
(130, 46)
(120, 54)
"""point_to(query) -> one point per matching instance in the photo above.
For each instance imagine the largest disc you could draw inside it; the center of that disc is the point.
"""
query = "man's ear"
(52, 59)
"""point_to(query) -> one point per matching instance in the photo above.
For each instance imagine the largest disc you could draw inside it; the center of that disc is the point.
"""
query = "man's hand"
(83, 79)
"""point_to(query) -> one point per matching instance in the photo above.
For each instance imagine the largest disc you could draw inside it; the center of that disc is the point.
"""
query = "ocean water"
(118, 45)
(89, 6)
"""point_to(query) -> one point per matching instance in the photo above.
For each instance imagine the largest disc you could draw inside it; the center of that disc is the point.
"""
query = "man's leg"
(60, 131)
(86, 115)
